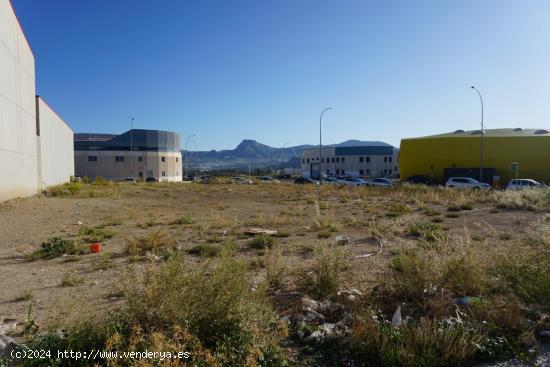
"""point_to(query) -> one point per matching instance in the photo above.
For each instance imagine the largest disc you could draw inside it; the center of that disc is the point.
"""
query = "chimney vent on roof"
(541, 131)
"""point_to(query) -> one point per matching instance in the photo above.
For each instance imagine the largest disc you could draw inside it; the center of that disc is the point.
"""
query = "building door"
(150, 173)
(315, 171)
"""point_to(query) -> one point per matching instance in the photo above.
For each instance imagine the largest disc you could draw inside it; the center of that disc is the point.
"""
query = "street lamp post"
(481, 139)
(132, 147)
(321, 144)
(186, 154)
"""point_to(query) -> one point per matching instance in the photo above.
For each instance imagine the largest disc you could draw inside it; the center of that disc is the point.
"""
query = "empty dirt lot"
(143, 225)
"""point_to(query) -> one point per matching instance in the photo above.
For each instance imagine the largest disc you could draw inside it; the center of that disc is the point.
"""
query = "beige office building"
(376, 160)
(136, 153)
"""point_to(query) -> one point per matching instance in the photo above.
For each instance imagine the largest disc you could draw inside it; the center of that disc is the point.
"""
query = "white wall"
(18, 150)
(56, 147)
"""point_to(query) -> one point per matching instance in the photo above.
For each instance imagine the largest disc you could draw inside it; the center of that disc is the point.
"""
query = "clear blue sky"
(230, 69)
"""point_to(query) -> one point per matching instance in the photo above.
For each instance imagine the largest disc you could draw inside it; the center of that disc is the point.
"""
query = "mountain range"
(257, 155)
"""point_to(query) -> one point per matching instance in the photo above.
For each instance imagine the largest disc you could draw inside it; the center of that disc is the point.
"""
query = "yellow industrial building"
(507, 154)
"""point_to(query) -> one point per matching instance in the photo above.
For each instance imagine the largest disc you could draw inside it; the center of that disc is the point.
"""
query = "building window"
(360, 159)
(140, 174)
(385, 159)
(303, 160)
(389, 159)
(337, 159)
(308, 160)
(163, 173)
(163, 159)
(343, 159)
(177, 159)
(92, 158)
(119, 158)
(361, 172)
(389, 171)
(368, 172)
(140, 159)
(332, 159)
(368, 159)
(343, 172)
(322, 160)
(337, 171)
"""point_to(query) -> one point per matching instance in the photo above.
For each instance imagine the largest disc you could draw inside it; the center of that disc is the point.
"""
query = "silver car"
(382, 182)
(523, 183)
(466, 183)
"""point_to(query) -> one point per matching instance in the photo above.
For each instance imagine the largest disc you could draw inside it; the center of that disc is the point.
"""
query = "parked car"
(305, 181)
(420, 179)
(284, 176)
(523, 183)
(151, 179)
(466, 183)
(382, 182)
(268, 179)
(333, 181)
(354, 181)
(208, 179)
(241, 180)
(130, 179)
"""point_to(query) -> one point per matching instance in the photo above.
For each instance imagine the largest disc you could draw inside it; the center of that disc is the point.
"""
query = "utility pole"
(132, 147)
(481, 139)
(321, 144)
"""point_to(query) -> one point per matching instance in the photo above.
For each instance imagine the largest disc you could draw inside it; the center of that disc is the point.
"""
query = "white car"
(241, 180)
(466, 183)
(383, 182)
(523, 183)
(354, 181)
(333, 181)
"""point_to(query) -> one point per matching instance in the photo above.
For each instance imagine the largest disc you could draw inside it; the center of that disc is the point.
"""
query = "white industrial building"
(374, 159)
(138, 153)
(34, 151)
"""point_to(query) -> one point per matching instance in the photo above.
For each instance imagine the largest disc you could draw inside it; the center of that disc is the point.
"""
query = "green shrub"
(233, 325)
(71, 279)
(100, 181)
(155, 241)
(528, 276)
(453, 208)
(428, 232)
(466, 206)
(261, 242)
(55, 247)
(325, 277)
(432, 212)
(183, 220)
(95, 234)
(324, 234)
(464, 276)
(426, 343)
(205, 249)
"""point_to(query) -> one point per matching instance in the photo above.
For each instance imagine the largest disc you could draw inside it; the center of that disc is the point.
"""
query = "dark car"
(419, 179)
(305, 181)
(284, 176)
(151, 179)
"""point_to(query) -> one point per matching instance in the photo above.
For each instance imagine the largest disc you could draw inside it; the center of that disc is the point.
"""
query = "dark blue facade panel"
(364, 150)
(139, 140)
